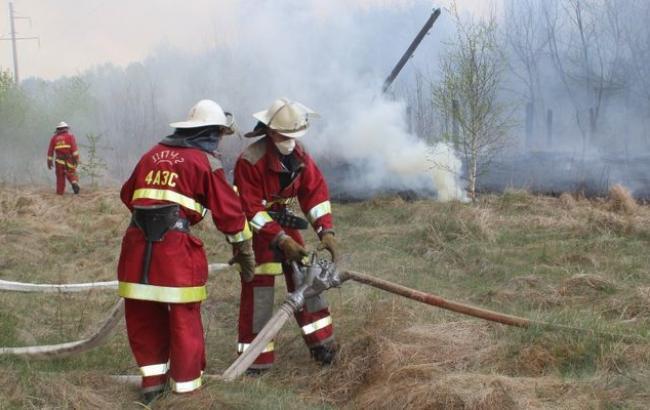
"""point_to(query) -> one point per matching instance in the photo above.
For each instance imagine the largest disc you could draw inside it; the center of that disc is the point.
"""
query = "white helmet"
(205, 113)
(289, 118)
(62, 124)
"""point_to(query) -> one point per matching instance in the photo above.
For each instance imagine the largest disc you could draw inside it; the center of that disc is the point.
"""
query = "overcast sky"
(77, 34)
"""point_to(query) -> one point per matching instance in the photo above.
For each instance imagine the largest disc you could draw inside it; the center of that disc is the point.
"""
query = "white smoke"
(331, 56)
(373, 137)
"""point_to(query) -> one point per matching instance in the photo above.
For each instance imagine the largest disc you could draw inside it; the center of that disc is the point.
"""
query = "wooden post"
(549, 127)
(530, 115)
(455, 127)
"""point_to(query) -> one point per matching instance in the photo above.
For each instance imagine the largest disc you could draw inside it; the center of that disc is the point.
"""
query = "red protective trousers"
(166, 340)
(256, 307)
(64, 172)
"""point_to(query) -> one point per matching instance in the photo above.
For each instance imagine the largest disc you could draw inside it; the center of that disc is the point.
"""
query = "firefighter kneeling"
(270, 174)
(163, 269)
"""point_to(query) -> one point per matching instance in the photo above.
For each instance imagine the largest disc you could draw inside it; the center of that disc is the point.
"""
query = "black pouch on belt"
(154, 221)
(288, 219)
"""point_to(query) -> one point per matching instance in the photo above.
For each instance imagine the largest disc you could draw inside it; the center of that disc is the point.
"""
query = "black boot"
(151, 396)
(255, 372)
(75, 188)
(325, 354)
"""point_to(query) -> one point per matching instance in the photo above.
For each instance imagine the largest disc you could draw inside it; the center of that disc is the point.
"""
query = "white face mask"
(286, 147)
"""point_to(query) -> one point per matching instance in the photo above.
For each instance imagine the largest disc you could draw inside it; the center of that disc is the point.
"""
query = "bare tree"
(468, 94)
(585, 43)
(524, 33)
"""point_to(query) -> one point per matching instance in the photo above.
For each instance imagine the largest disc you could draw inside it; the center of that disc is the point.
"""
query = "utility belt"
(287, 218)
(66, 160)
(154, 221)
(181, 225)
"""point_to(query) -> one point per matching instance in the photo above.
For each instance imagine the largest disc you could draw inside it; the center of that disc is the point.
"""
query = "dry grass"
(571, 261)
(621, 200)
(567, 200)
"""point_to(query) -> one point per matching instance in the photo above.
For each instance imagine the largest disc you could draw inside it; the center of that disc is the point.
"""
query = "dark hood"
(204, 138)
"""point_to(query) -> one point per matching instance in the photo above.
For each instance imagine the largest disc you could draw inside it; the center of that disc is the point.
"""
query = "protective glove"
(244, 256)
(328, 241)
(49, 164)
(292, 250)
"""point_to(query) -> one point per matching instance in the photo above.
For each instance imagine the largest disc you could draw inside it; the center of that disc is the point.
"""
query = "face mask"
(286, 147)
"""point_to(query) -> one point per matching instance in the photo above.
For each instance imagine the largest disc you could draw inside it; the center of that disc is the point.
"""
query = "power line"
(13, 38)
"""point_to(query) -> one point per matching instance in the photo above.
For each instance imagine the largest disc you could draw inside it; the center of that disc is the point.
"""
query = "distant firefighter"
(64, 155)
(163, 268)
(272, 173)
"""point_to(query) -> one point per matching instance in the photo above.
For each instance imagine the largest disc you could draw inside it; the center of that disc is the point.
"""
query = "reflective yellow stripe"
(71, 165)
(50, 158)
(317, 325)
(319, 210)
(241, 236)
(61, 146)
(171, 196)
(186, 387)
(162, 293)
(59, 161)
(75, 153)
(270, 268)
(260, 219)
(241, 347)
(154, 369)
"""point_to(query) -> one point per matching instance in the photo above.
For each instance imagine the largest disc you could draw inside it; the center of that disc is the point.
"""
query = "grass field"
(564, 260)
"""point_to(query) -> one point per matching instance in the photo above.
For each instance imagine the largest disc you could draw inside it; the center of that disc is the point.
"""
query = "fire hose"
(321, 275)
(97, 338)
(317, 276)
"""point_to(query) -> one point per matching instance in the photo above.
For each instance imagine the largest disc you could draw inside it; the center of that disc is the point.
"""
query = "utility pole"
(13, 41)
(13, 38)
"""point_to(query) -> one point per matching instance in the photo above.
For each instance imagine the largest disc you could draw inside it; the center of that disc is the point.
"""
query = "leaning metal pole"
(409, 51)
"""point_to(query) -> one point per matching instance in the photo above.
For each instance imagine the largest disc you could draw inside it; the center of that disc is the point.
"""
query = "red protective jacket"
(63, 150)
(182, 176)
(257, 178)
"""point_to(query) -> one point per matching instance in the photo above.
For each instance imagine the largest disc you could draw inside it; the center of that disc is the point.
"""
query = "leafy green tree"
(94, 165)
(472, 71)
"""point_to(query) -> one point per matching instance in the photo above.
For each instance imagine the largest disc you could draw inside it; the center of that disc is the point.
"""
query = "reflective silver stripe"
(241, 347)
(154, 369)
(241, 236)
(317, 325)
(260, 219)
(186, 387)
(171, 196)
(319, 210)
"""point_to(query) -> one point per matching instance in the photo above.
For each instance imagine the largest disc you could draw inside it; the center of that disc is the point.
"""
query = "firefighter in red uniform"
(270, 174)
(64, 155)
(163, 269)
